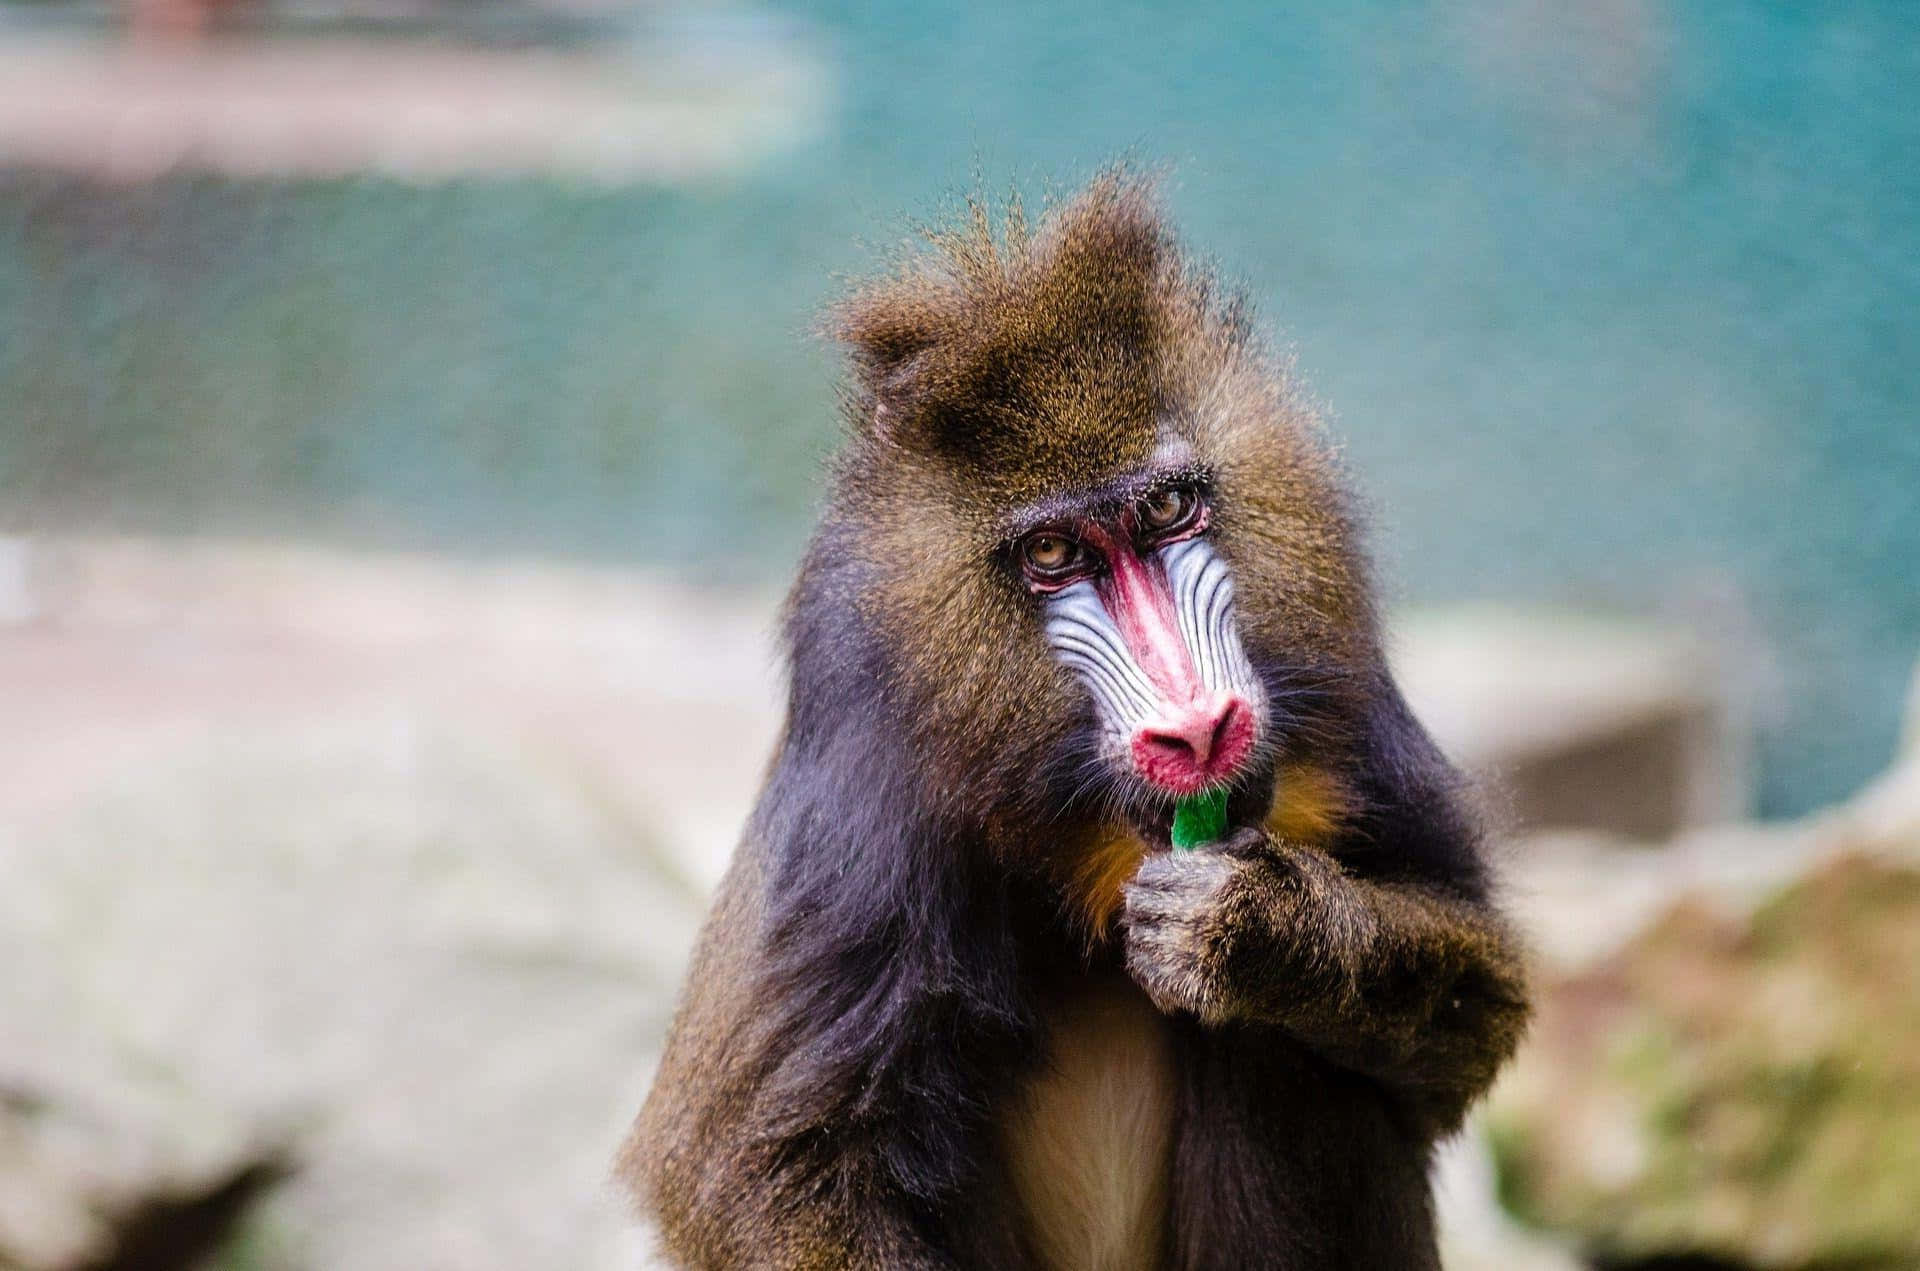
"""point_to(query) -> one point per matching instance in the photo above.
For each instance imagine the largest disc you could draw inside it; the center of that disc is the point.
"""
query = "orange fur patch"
(1309, 805)
(1100, 874)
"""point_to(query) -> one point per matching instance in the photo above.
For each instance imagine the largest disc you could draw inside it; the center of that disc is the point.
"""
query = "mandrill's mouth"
(1249, 798)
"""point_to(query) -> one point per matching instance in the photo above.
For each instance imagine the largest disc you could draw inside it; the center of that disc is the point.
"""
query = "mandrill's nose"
(1194, 745)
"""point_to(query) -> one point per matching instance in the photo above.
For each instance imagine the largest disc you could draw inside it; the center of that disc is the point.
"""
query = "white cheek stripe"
(1084, 636)
(1203, 599)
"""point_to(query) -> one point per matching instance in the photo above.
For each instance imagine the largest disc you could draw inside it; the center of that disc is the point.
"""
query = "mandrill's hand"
(1185, 915)
(1413, 984)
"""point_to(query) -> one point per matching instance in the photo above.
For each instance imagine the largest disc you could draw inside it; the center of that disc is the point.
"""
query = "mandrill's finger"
(1160, 958)
(1247, 842)
(1159, 896)
(1141, 906)
(1156, 873)
(1168, 920)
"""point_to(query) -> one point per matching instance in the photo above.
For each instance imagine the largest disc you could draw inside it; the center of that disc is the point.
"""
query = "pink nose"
(1192, 746)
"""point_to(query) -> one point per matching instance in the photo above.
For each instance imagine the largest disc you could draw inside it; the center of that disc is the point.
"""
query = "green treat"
(1199, 819)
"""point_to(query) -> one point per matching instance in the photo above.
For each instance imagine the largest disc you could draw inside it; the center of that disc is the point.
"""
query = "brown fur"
(1100, 875)
(1311, 804)
(893, 965)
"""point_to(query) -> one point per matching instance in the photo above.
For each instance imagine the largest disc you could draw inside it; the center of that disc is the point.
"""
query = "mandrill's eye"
(1050, 556)
(1169, 509)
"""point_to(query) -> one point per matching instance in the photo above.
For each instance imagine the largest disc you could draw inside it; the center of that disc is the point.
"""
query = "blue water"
(1615, 304)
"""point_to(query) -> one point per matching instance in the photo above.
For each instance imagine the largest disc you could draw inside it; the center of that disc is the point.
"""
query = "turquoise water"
(1619, 309)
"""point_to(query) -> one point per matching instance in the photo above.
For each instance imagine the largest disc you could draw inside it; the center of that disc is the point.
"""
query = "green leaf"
(1199, 819)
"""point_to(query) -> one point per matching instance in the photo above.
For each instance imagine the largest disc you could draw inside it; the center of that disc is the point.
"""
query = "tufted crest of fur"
(1037, 359)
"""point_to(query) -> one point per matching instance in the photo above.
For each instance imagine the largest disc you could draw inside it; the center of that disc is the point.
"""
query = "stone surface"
(433, 966)
(387, 867)
(1734, 1085)
(1579, 894)
(16, 589)
(1577, 722)
(1582, 900)
(88, 1141)
(389, 864)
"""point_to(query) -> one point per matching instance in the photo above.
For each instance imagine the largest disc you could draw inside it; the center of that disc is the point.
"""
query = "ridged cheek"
(1202, 588)
(1179, 644)
(1084, 636)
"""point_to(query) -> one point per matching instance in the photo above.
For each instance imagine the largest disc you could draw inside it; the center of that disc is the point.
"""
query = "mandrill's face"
(1136, 602)
(1097, 552)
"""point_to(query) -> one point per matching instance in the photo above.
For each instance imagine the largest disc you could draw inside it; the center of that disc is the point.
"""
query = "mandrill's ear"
(889, 331)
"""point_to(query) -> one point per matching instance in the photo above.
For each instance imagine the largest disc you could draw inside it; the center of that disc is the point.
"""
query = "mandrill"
(960, 1003)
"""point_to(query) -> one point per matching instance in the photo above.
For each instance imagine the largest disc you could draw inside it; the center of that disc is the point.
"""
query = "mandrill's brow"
(1105, 501)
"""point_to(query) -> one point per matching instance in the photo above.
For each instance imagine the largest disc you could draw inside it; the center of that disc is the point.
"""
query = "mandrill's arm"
(1399, 981)
(1380, 951)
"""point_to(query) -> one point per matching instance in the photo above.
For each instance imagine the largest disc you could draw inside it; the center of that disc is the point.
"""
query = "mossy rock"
(1744, 1090)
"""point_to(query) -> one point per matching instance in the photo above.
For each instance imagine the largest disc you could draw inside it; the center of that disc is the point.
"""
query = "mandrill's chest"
(1088, 1140)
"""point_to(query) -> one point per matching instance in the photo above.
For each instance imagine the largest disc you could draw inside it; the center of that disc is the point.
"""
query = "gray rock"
(87, 1144)
(389, 862)
(17, 601)
(428, 961)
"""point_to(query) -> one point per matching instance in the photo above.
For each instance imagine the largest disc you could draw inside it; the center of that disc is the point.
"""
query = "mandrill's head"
(1085, 552)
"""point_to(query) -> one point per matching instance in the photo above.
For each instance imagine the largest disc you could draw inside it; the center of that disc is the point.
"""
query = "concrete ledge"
(1577, 722)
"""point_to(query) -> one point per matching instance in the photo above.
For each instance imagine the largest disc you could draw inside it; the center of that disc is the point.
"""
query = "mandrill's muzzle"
(1154, 639)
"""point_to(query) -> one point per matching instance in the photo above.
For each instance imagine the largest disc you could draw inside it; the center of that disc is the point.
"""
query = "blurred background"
(408, 417)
